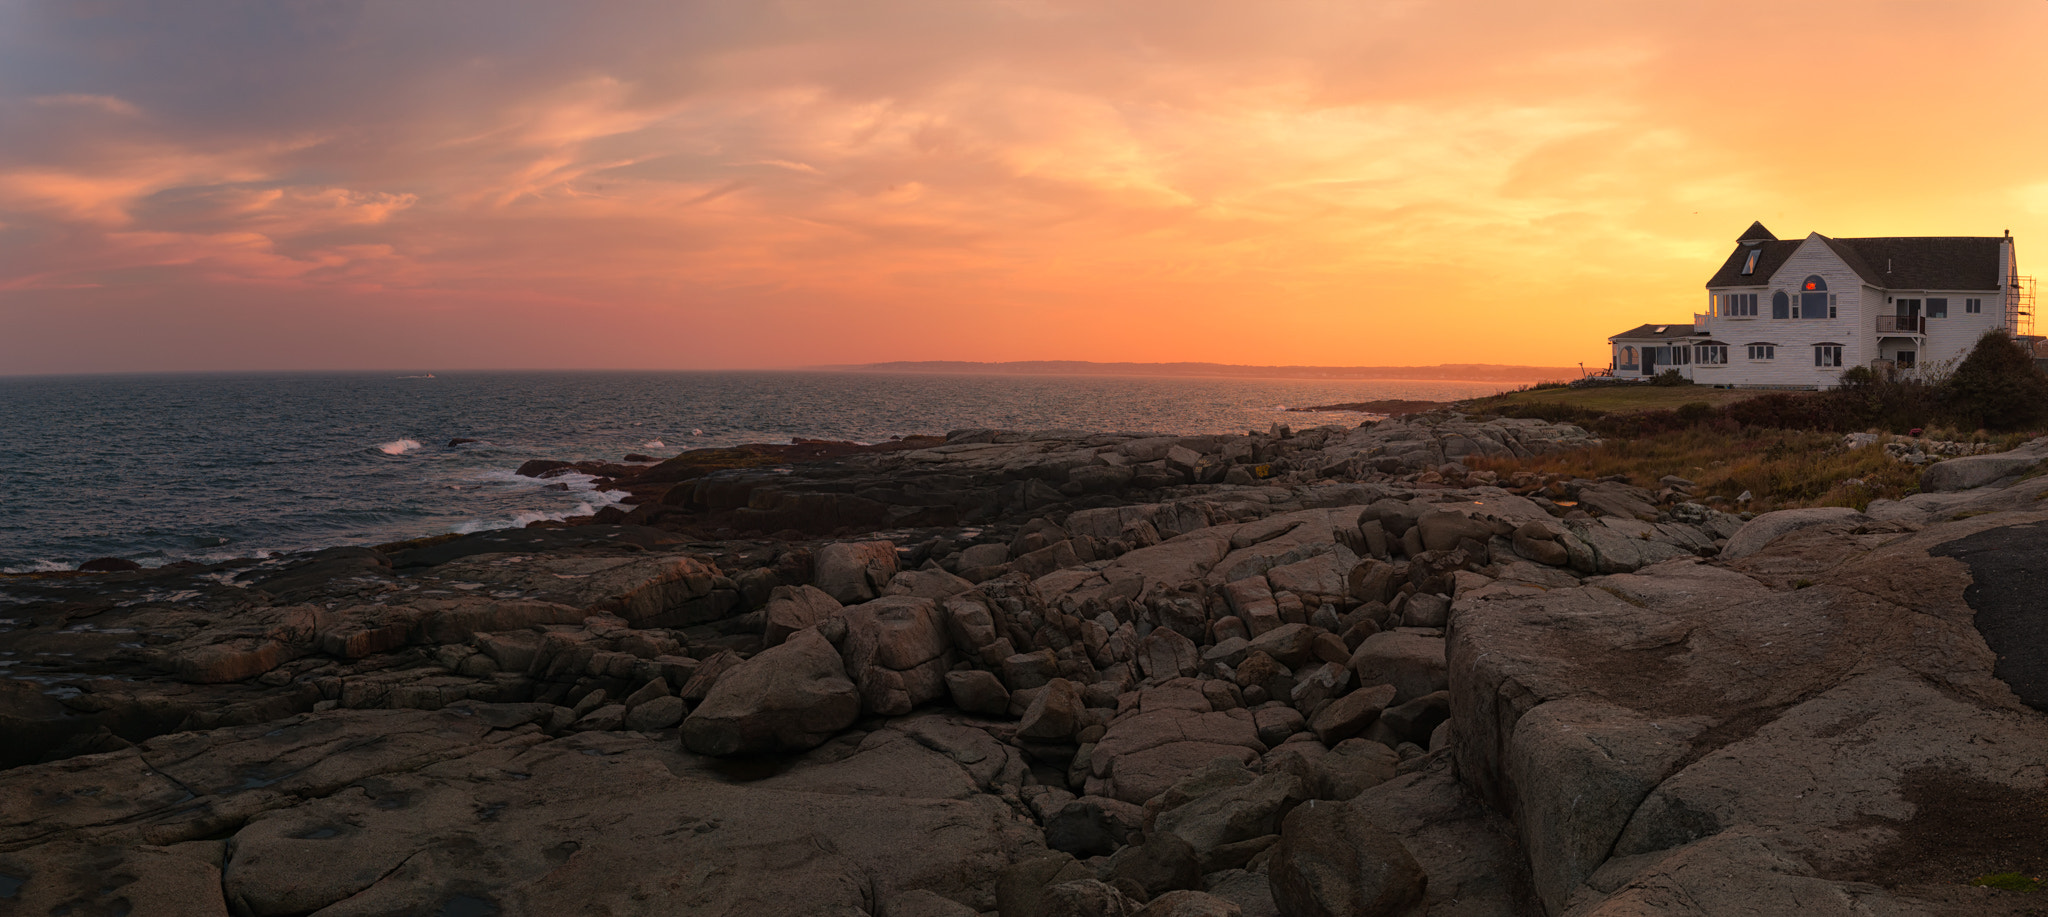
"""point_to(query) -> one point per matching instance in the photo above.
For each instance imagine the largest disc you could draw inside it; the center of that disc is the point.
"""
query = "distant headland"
(1474, 372)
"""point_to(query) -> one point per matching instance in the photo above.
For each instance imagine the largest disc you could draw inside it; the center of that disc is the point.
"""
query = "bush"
(1670, 378)
(1788, 411)
(1867, 398)
(1997, 387)
(1694, 413)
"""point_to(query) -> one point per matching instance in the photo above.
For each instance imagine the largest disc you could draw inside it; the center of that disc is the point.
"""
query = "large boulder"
(1976, 470)
(1769, 527)
(897, 653)
(854, 571)
(1332, 861)
(1412, 662)
(793, 608)
(1217, 824)
(791, 697)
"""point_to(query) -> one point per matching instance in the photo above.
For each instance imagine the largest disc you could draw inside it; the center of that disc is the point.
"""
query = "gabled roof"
(1927, 262)
(1775, 254)
(1756, 233)
(1892, 263)
(1666, 332)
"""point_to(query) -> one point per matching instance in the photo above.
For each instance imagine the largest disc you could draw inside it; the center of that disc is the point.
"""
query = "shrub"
(1868, 398)
(1695, 413)
(1670, 378)
(1788, 411)
(1997, 387)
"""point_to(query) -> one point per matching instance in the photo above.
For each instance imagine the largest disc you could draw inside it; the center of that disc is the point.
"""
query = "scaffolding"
(2019, 305)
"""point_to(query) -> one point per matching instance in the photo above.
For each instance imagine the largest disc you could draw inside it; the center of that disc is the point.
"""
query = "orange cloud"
(810, 182)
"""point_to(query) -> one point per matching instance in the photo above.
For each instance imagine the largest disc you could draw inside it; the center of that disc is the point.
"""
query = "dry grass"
(1780, 469)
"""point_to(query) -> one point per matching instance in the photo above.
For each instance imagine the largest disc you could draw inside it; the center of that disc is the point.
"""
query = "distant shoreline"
(1395, 407)
(1446, 372)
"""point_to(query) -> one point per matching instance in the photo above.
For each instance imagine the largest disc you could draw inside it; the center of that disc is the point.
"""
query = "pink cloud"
(1308, 182)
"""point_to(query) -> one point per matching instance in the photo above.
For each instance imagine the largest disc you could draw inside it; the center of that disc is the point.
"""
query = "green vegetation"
(1997, 387)
(1607, 398)
(2009, 881)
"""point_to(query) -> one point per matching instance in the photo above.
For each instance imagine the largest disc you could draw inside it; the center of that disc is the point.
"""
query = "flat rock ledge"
(1321, 672)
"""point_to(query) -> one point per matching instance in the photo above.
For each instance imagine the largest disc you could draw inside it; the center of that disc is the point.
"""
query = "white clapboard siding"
(1857, 308)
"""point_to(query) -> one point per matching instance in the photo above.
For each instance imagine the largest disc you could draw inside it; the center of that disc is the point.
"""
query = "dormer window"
(1749, 265)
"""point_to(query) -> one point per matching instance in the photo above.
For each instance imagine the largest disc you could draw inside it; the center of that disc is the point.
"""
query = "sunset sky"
(775, 183)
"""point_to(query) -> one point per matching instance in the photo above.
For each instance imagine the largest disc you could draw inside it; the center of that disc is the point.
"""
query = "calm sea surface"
(213, 467)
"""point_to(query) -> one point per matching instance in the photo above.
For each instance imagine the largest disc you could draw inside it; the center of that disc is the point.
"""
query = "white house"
(1795, 314)
(1647, 350)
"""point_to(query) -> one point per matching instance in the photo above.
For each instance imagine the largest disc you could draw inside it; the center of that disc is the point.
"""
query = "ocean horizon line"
(1445, 372)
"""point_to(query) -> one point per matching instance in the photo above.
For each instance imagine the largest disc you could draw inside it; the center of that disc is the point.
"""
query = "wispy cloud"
(1298, 181)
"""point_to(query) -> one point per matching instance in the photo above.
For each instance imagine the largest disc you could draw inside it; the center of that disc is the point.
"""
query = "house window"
(1831, 304)
(1709, 354)
(1749, 266)
(1628, 356)
(1781, 305)
(1936, 308)
(1906, 359)
(1827, 355)
(1973, 306)
(1813, 298)
(1763, 352)
(1737, 304)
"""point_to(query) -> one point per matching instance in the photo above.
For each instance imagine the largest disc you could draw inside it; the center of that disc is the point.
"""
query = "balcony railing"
(1901, 324)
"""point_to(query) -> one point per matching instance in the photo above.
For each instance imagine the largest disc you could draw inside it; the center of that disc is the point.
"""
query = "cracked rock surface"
(1048, 673)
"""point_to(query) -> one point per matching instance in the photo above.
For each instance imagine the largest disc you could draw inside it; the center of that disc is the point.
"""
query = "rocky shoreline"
(1327, 671)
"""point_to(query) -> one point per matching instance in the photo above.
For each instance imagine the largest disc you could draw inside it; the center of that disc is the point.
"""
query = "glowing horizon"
(739, 185)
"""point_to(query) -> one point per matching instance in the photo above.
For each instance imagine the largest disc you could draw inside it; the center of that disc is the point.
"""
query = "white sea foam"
(654, 444)
(589, 503)
(399, 447)
(40, 566)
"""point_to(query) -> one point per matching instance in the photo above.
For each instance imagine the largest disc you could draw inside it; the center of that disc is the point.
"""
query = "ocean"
(162, 468)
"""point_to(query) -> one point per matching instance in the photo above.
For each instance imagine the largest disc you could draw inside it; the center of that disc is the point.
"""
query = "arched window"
(1813, 297)
(1628, 356)
(1781, 305)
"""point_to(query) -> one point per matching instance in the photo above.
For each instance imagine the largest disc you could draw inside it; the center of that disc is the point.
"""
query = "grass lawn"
(1621, 398)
